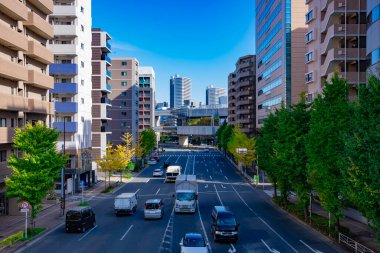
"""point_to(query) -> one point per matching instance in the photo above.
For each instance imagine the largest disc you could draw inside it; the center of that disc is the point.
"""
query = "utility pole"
(63, 195)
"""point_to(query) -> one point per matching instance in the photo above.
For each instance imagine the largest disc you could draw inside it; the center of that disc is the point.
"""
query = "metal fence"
(347, 241)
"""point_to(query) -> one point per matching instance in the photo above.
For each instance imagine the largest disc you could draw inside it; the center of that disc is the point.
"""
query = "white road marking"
(158, 191)
(226, 178)
(210, 177)
(187, 160)
(126, 232)
(232, 249)
(274, 231)
(168, 227)
(168, 158)
(176, 161)
(89, 231)
(206, 186)
(310, 248)
(217, 193)
(203, 228)
(223, 186)
(221, 171)
(271, 250)
(194, 166)
(137, 190)
(207, 170)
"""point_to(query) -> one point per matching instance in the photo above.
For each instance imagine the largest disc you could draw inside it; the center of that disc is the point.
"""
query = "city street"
(263, 227)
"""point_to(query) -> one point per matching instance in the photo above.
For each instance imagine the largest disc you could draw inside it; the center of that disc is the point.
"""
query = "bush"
(127, 176)
(33, 232)
(84, 204)
(10, 240)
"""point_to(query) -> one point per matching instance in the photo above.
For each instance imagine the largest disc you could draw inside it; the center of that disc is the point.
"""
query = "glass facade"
(266, 11)
(271, 69)
(270, 86)
(375, 56)
(269, 54)
(265, 28)
(273, 101)
(270, 36)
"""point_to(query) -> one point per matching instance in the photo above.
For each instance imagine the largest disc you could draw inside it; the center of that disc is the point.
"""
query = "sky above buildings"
(199, 39)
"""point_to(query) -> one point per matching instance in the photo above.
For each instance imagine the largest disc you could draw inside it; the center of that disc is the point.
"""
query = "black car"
(79, 219)
(223, 224)
(166, 164)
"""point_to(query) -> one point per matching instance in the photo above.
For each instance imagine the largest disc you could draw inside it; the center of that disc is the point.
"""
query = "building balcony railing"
(39, 25)
(108, 87)
(65, 88)
(6, 134)
(12, 70)
(39, 79)
(46, 6)
(12, 38)
(63, 69)
(40, 106)
(105, 100)
(66, 107)
(108, 73)
(68, 127)
(14, 9)
(39, 52)
(106, 58)
(108, 45)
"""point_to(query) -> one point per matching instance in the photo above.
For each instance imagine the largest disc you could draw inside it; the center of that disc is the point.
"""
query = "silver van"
(154, 209)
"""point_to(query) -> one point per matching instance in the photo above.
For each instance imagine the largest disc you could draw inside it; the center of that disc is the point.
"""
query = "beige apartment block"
(147, 97)
(280, 53)
(373, 36)
(241, 95)
(335, 43)
(24, 79)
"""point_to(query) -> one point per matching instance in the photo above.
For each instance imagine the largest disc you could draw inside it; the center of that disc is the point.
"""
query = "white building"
(214, 93)
(180, 90)
(72, 72)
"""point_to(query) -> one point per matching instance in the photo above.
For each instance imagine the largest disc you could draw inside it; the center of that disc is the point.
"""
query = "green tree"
(325, 145)
(36, 167)
(240, 140)
(226, 135)
(363, 150)
(147, 141)
(218, 134)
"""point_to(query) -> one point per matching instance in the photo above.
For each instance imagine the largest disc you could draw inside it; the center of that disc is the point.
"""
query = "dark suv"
(223, 224)
(80, 218)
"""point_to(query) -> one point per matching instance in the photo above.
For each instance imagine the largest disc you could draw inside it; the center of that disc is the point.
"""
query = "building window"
(124, 124)
(123, 104)
(309, 16)
(123, 73)
(82, 64)
(82, 28)
(375, 56)
(123, 84)
(3, 122)
(82, 119)
(309, 77)
(12, 122)
(82, 9)
(82, 82)
(82, 100)
(3, 155)
(308, 57)
(309, 37)
(124, 63)
(82, 45)
(124, 93)
(124, 113)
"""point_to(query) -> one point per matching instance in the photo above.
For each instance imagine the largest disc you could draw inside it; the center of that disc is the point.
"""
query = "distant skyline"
(196, 39)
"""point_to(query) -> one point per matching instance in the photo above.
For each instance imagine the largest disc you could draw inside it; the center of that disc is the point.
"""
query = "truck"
(125, 203)
(186, 194)
(172, 172)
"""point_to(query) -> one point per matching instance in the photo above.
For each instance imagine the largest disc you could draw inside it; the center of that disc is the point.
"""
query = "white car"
(158, 173)
(193, 243)
(152, 162)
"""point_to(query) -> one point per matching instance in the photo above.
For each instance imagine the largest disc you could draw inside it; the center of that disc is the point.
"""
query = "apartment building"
(124, 99)
(213, 94)
(373, 36)
(147, 97)
(24, 79)
(280, 54)
(336, 43)
(72, 72)
(242, 95)
(101, 76)
(180, 90)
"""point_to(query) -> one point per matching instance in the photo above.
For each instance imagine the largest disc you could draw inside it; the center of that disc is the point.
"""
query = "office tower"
(373, 36)
(213, 94)
(24, 79)
(147, 96)
(223, 100)
(336, 43)
(280, 54)
(101, 47)
(180, 90)
(124, 99)
(241, 95)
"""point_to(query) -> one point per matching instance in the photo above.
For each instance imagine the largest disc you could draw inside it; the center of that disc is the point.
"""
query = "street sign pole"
(26, 224)
(24, 205)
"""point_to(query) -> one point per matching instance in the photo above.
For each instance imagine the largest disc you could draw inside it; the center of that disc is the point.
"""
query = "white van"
(125, 203)
(154, 209)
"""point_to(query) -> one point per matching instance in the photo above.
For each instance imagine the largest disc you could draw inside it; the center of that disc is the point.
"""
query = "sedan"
(158, 173)
(193, 243)
(152, 162)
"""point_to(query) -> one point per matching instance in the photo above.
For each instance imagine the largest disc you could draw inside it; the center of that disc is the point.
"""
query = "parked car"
(154, 209)
(152, 162)
(193, 243)
(158, 173)
(156, 158)
(79, 218)
(223, 224)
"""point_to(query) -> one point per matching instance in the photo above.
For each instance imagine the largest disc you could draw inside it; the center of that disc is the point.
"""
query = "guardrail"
(359, 248)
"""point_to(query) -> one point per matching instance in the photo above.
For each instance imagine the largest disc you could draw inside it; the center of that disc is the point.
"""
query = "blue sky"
(200, 39)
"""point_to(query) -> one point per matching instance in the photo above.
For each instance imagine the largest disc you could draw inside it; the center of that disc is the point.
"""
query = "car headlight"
(218, 232)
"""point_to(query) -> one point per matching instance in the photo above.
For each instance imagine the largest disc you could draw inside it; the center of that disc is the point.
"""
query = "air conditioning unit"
(340, 5)
(340, 29)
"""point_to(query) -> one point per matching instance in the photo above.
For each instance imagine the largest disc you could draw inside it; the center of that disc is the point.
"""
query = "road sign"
(24, 204)
(24, 210)
(241, 150)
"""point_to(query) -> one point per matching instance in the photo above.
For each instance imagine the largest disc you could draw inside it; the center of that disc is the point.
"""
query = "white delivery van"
(125, 203)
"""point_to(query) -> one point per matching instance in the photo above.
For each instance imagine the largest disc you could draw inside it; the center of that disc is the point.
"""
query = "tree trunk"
(337, 225)
(121, 176)
(109, 179)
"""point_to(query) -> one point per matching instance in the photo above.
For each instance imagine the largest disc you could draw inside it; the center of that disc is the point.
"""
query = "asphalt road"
(263, 227)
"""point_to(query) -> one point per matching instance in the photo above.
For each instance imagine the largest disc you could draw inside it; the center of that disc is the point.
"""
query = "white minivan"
(154, 209)
(125, 203)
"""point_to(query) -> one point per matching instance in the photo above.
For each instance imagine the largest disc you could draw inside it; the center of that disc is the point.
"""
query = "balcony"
(70, 49)
(68, 127)
(6, 134)
(103, 111)
(65, 30)
(244, 111)
(13, 71)
(12, 39)
(105, 100)
(14, 9)
(108, 73)
(108, 45)
(244, 84)
(106, 58)
(66, 107)
(108, 87)
(341, 54)
(13, 103)
(39, 52)
(46, 6)
(351, 77)
(245, 73)
(66, 10)
(63, 69)
(65, 88)
(39, 25)
(39, 106)
(246, 64)
(40, 80)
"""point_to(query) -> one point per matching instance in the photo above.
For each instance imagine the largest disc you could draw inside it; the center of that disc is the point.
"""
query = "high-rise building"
(124, 97)
(336, 43)
(100, 90)
(280, 59)
(241, 95)
(223, 100)
(147, 97)
(180, 90)
(24, 79)
(373, 35)
(213, 94)
(72, 72)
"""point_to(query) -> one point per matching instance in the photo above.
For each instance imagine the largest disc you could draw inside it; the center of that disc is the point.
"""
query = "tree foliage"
(38, 163)
(240, 140)
(147, 141)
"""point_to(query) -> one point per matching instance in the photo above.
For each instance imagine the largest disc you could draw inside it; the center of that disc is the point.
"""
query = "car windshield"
(157, 170)
(226, 221)
(194, 242)
(185, 196)
(73, 216)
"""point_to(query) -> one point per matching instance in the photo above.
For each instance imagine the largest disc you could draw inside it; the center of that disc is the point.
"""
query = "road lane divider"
(310, 248)
(167, 239)
(129, 229)
(271, 250)
(89, 231)
(203, 228)
(137, 190)
(158, 191)
(210, 177)
(187, 160)
(194, 165)
(226, 178)
(217, 193)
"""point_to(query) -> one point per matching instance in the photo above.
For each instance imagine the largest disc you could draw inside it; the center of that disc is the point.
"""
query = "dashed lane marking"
(126, 232)
(271, 250)
(167, 239)
(89, 231)
(158, 191)
(310, 248)
(217, 193)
